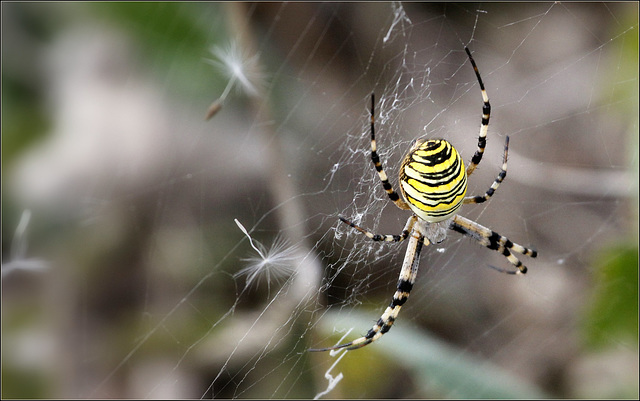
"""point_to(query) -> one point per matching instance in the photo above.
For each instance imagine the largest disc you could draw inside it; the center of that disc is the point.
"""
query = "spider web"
(177, 257)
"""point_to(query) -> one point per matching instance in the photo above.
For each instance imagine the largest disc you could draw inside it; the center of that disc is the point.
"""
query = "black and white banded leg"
(393, 195)
(484, 124)
(406, 280)
(493, 240)
(496, 183)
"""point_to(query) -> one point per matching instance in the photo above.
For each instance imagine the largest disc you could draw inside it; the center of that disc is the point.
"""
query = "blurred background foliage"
(613, 311)
(145, 253)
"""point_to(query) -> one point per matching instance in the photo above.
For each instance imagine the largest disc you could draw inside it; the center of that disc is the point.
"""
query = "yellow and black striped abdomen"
(433, 179)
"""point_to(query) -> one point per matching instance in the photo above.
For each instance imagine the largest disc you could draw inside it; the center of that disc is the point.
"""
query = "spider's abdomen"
(433, 179)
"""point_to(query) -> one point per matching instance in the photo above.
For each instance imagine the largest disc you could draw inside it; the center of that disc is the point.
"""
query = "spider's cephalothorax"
(433, 182)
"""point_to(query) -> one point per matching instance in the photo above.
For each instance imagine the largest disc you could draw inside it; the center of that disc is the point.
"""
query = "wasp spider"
(433, 182)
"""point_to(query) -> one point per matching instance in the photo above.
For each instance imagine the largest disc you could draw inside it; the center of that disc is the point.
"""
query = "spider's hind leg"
(484, 124)
(377, 164)
(496, 183)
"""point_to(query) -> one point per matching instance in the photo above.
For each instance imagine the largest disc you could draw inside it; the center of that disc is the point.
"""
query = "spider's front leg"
(405, 284)
(493, 240)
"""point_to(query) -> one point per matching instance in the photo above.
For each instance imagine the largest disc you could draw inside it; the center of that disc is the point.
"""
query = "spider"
(433, 182)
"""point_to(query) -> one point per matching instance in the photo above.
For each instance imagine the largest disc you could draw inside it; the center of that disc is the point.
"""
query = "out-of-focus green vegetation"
(612, 317)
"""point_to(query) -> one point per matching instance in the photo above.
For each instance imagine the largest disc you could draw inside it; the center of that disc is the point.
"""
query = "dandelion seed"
(18, 253)
(19, 243)
(213, 109)
(274, 264)
(240, 68)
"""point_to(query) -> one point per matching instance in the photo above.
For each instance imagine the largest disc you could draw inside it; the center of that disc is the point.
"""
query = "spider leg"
(384, 237)
(393, 195)
(407, 277)
(496, 183)
(486, 113)
(493, 240)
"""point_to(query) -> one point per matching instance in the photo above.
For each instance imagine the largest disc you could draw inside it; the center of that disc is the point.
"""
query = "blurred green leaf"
(435, 367)
(613, 315)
